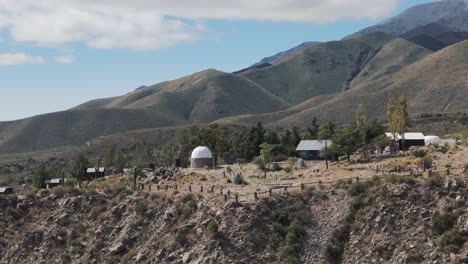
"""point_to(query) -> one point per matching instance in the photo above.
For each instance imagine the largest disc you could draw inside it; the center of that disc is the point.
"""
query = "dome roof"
(432, 140)
(201, 153)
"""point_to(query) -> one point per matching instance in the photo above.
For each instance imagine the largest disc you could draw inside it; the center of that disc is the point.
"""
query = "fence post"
(320, 182)
(212, 189)
(285, 188)
(157, 187)
(190, 188)
(221, 191)
(229, 193)
(167, 187)
(149, 187)
(237, 199)
(176, 187)
(201, 188)
(448, 171)
(255, 196)
(225, 198)
(270, 191)
(302, 186)
(357, 179)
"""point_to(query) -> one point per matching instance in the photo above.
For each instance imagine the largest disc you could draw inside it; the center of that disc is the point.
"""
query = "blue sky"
(49, 72)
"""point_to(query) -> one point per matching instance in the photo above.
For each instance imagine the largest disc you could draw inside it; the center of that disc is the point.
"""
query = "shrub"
(260, 162)
(453, 240)
(442, 222)
(288, 169)
(426, 162)
(331, 253)
(435, 181)
(141, 207)
(239, 179)
(419, 153)
(294, 241)
(466, 168)
(276, 167)
(212, 228)
(181, 236)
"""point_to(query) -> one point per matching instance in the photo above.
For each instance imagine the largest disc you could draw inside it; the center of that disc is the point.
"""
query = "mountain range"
(421, 53)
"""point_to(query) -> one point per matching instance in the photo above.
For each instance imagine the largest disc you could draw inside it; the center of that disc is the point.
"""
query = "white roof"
(93, 170)
(408, 135)
(201, 152)
(3, 189)
(308, 145)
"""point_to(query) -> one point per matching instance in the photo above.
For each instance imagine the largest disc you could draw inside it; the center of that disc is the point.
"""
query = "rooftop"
(308, 145)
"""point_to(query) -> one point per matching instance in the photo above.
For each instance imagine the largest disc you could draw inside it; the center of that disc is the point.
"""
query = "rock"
(187, 257)
(117, 248)
(170, 213)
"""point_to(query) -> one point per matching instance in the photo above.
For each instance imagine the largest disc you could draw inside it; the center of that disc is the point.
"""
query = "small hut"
(201, 158)
(91, 173)
(54, 183)
(6, 190)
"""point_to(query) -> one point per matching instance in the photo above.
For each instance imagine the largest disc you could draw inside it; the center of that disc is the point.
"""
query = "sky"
(55, 55)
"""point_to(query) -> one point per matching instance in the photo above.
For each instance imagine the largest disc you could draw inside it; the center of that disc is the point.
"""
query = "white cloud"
(65, 59)
(9, 59)
(153, 24)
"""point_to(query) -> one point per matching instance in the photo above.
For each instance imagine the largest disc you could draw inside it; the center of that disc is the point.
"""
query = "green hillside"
(322, 69)
(199, 98)
(436, 84)
(394, 56)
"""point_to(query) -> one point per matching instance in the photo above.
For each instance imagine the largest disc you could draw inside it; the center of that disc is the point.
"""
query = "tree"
(313, 129)
(40, 176)
(271, 137)
(362, 121)
(78, 166)
(109, 154)
(391, 118)
(326, 131)
(119, 161)
(296, 137)
(348, 140)
(401, 118)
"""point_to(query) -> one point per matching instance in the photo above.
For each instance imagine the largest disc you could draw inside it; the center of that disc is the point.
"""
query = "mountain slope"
(196, 99)
(450, 14)
(436, 84)
(394, 56)
(322, 69)
(279, 56)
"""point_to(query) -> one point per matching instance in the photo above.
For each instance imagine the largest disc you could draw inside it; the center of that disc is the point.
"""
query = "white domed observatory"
(428, 140)
(201, 158)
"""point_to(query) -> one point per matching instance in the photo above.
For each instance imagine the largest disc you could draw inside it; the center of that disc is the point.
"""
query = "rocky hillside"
(402, 219)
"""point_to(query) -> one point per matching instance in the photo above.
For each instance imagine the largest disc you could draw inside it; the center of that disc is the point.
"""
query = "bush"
(276, 167)
(239, 179)
(419, 153)
(453, 240)
(332, 253)
(141, 207)
(466, 168)
(212, 228)
(260, 162)
(443, 222)
(181, 236)
(426, 162)
(435, 181)
(288, 169)
(294, 241)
